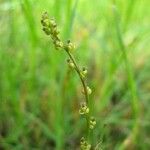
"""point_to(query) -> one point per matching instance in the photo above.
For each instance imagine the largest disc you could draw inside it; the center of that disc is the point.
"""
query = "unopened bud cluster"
(84, 145)
(50, 28)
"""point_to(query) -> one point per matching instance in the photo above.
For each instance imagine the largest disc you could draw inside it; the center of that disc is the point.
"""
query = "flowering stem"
(50, 28)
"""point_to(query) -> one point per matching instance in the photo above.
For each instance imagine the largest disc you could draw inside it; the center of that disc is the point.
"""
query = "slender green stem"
(80, 76)
(84, 87)
(50, 28)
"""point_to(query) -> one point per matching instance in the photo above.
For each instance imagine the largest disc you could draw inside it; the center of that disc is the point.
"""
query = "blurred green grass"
(39, 96)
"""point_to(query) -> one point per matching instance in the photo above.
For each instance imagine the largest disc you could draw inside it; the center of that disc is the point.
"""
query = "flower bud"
(54, 31)
(70, 63)
(47, 30)
(70, 46)
(45, 16)
(89, 91)
(83, 72)
(58, 44)
(53, 23)
(45, 22)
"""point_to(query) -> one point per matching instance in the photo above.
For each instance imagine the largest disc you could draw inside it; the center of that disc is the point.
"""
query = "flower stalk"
(50, 28)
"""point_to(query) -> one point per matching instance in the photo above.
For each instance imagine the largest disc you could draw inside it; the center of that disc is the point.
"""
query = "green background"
(40, 95)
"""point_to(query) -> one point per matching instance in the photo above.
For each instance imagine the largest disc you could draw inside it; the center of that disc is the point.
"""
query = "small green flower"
(58, 44)
(69, 46)
(70, 64)
(83, 109)
(83, 72)
(89, 91)
(84, 145)
(92, 123)
(53, 23)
